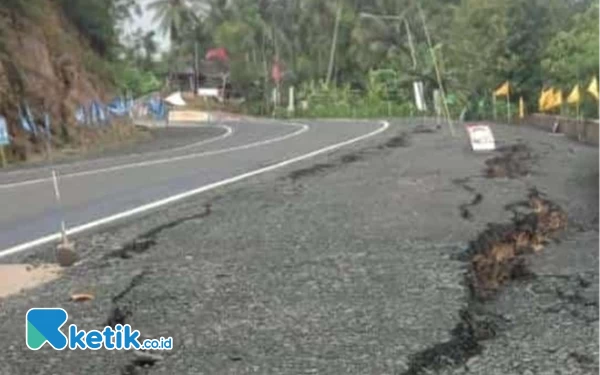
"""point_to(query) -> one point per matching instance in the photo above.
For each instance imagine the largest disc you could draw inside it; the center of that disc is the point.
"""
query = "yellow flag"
(574, 96)
(502, 90)
(556, 99)
(593, 88)
(545, 99)
(521, 108)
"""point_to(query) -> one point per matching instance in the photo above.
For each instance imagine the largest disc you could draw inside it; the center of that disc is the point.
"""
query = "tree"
(572, 54)
(173, 17)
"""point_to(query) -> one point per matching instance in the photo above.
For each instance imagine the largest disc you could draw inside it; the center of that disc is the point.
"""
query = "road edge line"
(172, 199)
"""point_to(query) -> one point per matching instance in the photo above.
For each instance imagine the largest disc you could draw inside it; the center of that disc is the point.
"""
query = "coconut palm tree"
(173, 17)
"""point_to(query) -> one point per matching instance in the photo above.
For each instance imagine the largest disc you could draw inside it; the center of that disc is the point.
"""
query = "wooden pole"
(338, 15)
(437, 70)
(508, 108)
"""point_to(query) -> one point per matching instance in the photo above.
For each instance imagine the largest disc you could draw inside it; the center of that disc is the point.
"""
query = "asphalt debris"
(465, 212)
(129, 250)
(514, 161)
(402, 140)
(423, 129)
(118, 315)
(310, 171)
(351, 158)
(141, 362)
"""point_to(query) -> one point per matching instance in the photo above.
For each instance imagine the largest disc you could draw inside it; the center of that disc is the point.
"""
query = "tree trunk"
(338, 15)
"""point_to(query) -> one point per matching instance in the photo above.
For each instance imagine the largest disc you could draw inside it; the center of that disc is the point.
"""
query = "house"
(211, 79)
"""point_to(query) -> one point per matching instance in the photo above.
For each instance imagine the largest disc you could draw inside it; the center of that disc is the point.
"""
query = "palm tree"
(173, 17)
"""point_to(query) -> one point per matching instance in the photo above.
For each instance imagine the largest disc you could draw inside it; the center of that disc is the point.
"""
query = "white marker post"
(63, 228)
(65, 254)
(291, 108)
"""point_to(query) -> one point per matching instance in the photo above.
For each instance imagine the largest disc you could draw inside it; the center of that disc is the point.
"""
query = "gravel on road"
(352, 263)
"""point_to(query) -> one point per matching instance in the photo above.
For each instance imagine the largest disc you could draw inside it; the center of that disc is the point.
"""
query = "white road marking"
(228, 133)
(172, 199)
(303, 128)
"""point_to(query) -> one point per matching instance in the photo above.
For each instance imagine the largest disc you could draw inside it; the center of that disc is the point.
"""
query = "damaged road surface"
(403, 254)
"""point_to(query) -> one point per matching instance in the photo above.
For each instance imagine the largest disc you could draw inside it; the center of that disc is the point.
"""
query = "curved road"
(102, 191)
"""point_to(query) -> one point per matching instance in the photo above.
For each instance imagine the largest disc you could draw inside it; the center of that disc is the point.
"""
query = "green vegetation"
(479, 44)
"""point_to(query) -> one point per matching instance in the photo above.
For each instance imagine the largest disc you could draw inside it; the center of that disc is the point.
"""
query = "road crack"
(494, 258)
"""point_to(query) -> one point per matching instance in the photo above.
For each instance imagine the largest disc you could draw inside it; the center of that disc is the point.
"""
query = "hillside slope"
(45, 62)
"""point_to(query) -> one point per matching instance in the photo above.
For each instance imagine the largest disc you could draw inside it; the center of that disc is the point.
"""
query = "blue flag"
(24, 122)
(30, 119)
(4, 137)
(93, 114)
(118, 107)
(101, 113)
(80, 115)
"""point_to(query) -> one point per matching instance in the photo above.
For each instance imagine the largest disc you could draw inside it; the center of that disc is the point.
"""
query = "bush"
(324, 101)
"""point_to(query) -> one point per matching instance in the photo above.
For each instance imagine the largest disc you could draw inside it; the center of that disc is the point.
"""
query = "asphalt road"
(96, 189)
(348, 263)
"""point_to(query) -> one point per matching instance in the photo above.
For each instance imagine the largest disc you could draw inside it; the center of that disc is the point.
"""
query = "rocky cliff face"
(44, 62)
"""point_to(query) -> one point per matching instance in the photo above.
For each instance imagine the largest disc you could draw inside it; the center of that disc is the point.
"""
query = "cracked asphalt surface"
(345, 264)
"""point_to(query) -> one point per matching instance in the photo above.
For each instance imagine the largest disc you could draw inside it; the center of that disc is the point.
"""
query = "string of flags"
(551, 98)
(93, 114)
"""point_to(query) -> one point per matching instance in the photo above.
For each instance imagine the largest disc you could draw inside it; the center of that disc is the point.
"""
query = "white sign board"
(208, 92)
(419, 96)
(437, 102)
(4, 139)
(481, 138)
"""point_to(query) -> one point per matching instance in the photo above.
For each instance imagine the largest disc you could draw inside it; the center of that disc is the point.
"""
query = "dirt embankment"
(46, 63)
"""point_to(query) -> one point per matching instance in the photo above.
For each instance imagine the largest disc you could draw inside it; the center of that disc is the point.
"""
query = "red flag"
(276, 72)
(217, 54)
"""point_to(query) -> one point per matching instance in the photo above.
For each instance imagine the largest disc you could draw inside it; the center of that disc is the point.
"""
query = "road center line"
(303, 128)
(172, 199)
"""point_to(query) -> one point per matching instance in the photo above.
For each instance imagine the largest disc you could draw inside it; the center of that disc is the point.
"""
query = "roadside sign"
(4, 138)
(481, 138)
(419, 96)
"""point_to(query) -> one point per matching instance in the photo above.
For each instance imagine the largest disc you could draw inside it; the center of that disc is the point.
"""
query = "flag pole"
(508, 106)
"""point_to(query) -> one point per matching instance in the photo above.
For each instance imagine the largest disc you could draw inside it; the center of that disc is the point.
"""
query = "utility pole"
(338, 15)
(435, 65)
